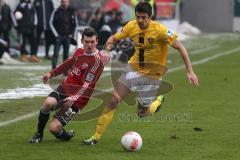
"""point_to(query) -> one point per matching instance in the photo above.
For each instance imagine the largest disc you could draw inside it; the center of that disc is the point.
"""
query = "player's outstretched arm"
(192, 77)
(62, 68)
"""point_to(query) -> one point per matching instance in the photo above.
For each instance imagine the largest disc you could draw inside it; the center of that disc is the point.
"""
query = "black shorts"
(58, 94)
(63, 114)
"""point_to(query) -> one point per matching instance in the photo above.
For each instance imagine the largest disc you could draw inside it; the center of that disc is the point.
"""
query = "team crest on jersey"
(170, 33)
(150, 40)
(120, 31)
(89, 77)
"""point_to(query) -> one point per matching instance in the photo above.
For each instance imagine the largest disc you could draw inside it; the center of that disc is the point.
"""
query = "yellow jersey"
(151, 46)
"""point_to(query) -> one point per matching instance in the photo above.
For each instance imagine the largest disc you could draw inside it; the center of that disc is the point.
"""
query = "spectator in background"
(82, 17)
(3, 45)
(109, 15)
(63, 24)
(44, 10)
(26, 25)
(97, 20)
(112, 22)
(116, 21)
(6, 21)
(127, 11)
(104, 33)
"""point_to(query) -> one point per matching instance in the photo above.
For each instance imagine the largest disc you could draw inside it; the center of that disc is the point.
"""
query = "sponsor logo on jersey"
(150, 40)
(76, 71)
(170, 33)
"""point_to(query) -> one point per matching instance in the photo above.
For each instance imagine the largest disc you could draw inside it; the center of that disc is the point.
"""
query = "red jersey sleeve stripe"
(82, 90)
(97, 62)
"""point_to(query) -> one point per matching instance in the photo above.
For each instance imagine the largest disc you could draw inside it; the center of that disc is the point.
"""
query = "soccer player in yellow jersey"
(151, 40)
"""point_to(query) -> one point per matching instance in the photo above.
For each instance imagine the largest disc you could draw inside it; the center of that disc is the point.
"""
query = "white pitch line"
(204, 60)
(37, 68)
(25, 68)
(203, 49)
(29, 115)
(20, 118)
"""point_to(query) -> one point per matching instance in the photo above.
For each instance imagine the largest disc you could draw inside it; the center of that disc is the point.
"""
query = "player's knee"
(48, 104)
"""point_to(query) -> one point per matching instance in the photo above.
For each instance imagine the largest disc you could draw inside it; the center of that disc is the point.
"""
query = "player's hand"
(193, 79)
(69, 101)
(5, 44)
(108, 48)
(46, 77)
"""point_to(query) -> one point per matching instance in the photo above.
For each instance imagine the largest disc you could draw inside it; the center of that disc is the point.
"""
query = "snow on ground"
(19, 93)
(186, 31)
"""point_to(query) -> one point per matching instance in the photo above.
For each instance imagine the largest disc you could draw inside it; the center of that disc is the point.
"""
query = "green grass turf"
(213, 107)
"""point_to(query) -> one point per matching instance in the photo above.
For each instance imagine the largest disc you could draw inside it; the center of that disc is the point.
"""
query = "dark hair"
(144, 7)
(89, 32)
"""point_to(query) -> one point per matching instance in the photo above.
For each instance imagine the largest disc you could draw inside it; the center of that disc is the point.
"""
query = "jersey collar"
(92, 54)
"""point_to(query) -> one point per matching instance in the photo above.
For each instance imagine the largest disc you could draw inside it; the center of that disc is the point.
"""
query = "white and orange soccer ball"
(131, 141)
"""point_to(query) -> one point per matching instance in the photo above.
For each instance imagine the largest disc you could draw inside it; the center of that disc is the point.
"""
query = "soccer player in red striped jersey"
(84, 69)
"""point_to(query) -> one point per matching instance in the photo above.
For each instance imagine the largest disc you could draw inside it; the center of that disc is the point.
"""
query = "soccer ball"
(131, 141)
(18, 15)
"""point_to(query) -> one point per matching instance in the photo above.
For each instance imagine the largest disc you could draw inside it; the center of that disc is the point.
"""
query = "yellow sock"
(154, 105)
(103, 122)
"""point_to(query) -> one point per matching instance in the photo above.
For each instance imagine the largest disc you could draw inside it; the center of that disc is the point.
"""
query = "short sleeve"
(168, 35)
(123, 33)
